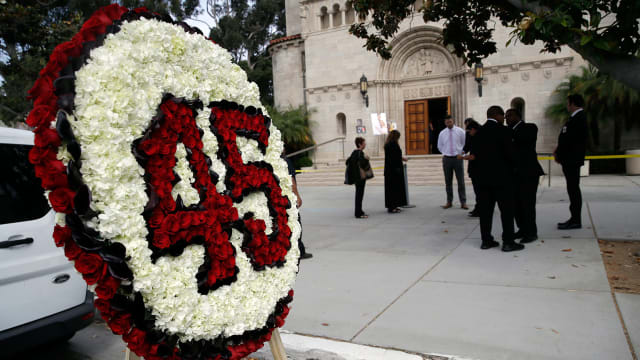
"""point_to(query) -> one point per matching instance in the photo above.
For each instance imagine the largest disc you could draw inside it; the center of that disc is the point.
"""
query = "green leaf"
(585, 39)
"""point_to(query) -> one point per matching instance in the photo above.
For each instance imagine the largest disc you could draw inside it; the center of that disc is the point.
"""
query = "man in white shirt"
(450, 143)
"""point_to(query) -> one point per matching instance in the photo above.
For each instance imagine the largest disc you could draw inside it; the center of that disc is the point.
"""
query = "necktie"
(451, 152)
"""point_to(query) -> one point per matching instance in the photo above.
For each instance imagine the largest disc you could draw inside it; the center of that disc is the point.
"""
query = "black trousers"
(300, 244)
(359, 196)
(488, 195)
(474, 183)
(525, 205)
(572, 176)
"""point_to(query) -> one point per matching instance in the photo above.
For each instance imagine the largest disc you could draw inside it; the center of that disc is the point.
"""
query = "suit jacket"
(572, 141)
(493, 150)
(358, 160)
(525, 136)
(468, 145)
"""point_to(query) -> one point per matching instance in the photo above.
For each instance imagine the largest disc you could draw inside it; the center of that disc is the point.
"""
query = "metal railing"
(341, 138)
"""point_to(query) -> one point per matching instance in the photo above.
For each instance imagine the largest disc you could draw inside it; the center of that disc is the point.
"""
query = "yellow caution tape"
(597, 157)
(590, 157)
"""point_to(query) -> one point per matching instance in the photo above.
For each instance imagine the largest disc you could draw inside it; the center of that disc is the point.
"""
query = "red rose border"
(100, 261)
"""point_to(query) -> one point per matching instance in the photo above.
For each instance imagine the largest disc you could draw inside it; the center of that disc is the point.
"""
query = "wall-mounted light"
(363, 89)
(478, 75)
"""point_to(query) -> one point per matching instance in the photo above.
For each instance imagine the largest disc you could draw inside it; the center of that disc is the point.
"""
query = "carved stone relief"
(504, 78)
(347, 95)
(426, 92)
(525, 76)
(547, 73)
(424, 63)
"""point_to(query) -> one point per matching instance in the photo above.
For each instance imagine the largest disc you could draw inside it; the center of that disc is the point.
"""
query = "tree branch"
(533, 6)
(625, 69)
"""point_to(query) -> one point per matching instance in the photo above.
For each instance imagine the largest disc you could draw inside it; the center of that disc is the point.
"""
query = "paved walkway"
(417, 281)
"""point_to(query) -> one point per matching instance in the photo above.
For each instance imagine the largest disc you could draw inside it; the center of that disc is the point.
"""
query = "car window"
(21, 195)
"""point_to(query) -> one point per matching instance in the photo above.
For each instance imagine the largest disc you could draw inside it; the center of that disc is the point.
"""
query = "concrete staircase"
(421, 170)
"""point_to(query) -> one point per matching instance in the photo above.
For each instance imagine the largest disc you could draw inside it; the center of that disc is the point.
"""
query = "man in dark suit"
(472, 128)
(492, 152)
(527, 175)
(572, 145)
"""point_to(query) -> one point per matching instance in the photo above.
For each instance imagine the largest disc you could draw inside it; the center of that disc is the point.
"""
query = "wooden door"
(416, 119)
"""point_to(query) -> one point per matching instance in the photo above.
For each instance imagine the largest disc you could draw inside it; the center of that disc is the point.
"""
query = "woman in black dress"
(357, 164)
(394, 191)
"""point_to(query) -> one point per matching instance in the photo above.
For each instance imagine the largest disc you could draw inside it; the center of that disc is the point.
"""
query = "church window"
(518, 104)
(337, 15)
(324, 18)
(349, 14)
(341, 121)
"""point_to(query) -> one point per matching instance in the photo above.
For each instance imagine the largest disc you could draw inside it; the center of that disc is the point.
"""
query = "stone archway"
(420, 70)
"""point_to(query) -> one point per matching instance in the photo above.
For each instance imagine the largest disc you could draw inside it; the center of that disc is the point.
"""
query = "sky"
(202, 17)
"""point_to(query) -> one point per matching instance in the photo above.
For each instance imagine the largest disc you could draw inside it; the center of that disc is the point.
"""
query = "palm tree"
(294, 125)
(606, 100)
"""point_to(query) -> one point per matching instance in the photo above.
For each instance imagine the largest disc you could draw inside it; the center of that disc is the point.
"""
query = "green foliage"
(607, 101)
(31, 29)
(245, 28)
(294, 125)
(304, 161)
(600, 30)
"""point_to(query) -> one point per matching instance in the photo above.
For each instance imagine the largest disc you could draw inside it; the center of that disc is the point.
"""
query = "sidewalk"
(417, 281)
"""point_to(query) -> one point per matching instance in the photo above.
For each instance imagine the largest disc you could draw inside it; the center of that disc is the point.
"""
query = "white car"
(42, 297)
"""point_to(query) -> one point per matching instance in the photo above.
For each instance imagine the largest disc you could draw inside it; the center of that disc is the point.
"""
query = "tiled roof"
(283, 39)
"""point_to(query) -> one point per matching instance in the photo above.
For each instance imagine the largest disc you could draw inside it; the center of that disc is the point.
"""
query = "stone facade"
(319, 64)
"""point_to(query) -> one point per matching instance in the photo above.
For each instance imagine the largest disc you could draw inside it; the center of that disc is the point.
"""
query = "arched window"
(518, 104)
(337, 15)
(324, 18)
(349, 14)
(341, 122)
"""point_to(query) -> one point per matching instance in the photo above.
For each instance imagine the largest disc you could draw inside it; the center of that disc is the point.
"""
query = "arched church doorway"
(424, 119)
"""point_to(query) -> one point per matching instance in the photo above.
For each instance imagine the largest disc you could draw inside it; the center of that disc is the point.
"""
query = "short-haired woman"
(357, 161)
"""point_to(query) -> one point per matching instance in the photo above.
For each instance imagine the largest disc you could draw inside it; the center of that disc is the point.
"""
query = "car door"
(36, 280)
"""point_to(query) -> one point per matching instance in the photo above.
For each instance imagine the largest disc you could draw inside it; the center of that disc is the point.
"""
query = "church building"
(320, 65)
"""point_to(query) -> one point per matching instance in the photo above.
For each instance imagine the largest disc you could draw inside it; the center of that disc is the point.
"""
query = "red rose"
(95, 276)
(97, 24)
(72, 47)
(137, 341)
(51, 175)
(39, 155)
(71, 250)
(41, 115)
(161, 240)
(120, 324)
(61, 234)
(150, 147)
(114, 11)
(43, 87)
(62, 200)
(88, 263)
(107, 287)
(46, 136)
(156, 218)
(104, 307)
(141, 9)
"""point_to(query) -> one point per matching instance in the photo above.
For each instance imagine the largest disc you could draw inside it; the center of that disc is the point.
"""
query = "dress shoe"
(464, 206)
(518, 235)
(569, 226)
(448, 205)
(564, 223)
(512, 247)
(474, 214)
(528, 239)
(306, 256)
(489, 245)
